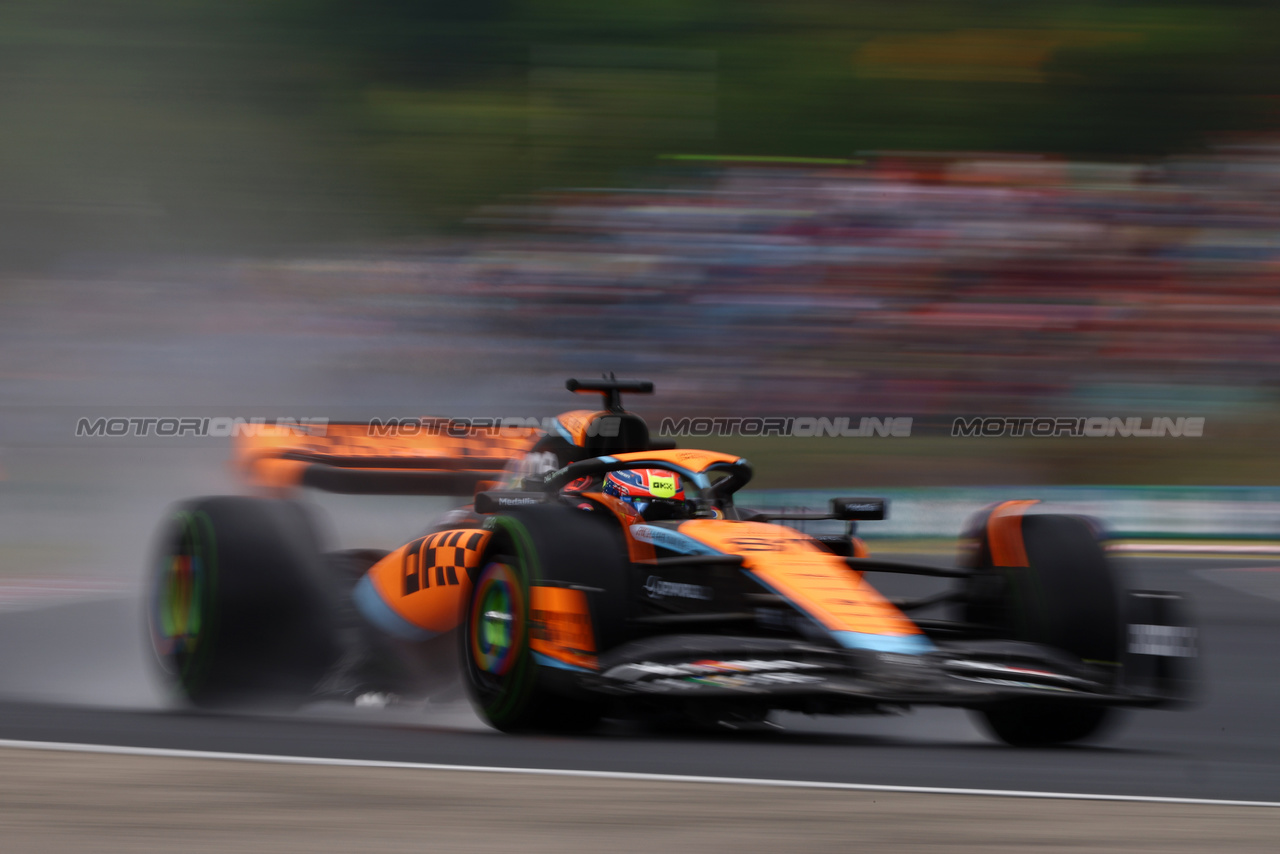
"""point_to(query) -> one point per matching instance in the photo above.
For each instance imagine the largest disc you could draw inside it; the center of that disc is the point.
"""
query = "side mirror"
(860, 509)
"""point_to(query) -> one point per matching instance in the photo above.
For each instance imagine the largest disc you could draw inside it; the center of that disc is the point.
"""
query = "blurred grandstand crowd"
(913, 284)
(902, 285)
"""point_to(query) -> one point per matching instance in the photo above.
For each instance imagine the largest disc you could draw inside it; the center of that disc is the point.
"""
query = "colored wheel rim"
(182, 585)
(497, 620)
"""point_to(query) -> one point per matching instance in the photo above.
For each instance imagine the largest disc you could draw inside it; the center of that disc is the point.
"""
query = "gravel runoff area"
(53, 802)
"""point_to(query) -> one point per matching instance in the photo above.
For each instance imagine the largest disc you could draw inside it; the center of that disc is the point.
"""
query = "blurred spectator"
(907, 284)
(913, 283)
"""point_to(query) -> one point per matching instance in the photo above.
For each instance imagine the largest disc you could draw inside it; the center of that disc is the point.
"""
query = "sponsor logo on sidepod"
(673, 540)
(658, 588)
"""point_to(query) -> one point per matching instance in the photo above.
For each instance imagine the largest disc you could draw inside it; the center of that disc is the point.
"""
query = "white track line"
(115, 750)
(1211, 549)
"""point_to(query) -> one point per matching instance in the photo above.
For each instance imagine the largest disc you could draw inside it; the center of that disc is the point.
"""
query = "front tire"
(1042, 723)
(1067, 597)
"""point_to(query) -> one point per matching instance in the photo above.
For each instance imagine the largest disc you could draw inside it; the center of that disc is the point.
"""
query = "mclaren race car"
(597, 572)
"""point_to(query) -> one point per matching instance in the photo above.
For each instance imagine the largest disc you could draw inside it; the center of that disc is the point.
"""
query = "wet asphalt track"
(75, 673)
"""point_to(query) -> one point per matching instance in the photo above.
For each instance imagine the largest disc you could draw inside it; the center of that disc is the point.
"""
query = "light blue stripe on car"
(671, 540)
(548, 661)
(376, 611)
(564, 432)
(903, 644)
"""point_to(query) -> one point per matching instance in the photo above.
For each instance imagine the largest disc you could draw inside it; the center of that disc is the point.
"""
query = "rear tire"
(241, 610)
(1068, 598)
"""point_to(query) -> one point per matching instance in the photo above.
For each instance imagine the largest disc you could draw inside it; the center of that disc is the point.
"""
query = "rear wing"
(439, 458)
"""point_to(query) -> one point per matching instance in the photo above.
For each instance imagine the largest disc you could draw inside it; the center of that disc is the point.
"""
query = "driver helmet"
(653, 493)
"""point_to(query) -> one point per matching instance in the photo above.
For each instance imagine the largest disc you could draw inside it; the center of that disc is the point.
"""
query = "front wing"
(794, 673)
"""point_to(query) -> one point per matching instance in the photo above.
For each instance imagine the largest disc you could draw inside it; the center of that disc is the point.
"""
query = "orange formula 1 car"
(597, 572)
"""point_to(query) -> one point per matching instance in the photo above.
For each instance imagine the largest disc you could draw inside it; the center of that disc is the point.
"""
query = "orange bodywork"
(279, 459)
(693, 460)
(560, 626)
(426, 581)
(818, 582)
(578, 424)
(637, 550)
(1004, 532)
(427, 584)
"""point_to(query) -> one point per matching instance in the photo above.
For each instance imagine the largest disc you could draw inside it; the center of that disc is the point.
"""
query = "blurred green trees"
(206, 124)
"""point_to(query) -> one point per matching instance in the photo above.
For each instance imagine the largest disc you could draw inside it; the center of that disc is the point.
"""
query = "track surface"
(74, 673)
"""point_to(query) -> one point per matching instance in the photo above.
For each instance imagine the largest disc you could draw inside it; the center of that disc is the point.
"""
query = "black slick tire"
(241, 608)
(1068, 597)
(510, 688)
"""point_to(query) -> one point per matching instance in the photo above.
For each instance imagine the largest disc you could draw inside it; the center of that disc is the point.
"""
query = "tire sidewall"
(262, 602)
(556, 544)
(502, 698)
(1067, 598)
